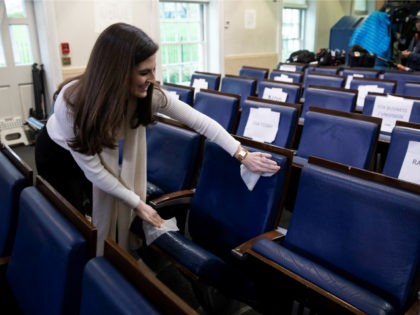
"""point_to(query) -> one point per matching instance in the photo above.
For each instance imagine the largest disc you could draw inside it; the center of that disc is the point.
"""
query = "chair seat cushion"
(326, 279)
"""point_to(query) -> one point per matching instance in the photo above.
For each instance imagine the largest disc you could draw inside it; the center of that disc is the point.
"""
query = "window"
(292, 31)
(182, 40)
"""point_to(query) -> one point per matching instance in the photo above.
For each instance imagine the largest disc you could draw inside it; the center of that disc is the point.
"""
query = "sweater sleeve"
(60, 130)
(201, 123)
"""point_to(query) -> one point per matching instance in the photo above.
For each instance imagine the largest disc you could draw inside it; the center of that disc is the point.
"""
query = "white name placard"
(391, 109)
(283, 78)
(287, 68)
(363, 90)
(274, 94)
(200, 84)
(262, 124)
(410, 169)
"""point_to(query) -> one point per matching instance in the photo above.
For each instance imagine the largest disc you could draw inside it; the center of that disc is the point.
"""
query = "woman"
(113, 100)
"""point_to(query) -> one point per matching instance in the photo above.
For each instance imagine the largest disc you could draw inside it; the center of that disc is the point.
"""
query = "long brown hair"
(99, 98)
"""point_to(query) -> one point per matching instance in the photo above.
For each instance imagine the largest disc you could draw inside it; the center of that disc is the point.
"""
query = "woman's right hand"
(148, 214)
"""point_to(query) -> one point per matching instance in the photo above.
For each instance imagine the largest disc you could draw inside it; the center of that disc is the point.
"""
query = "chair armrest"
(415, 308)
(241, 251)
(182, 197)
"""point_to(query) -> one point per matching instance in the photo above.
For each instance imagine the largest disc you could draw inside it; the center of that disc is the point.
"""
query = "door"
(18, 52)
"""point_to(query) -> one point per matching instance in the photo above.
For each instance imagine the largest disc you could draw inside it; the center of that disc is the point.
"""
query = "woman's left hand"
(259, 162)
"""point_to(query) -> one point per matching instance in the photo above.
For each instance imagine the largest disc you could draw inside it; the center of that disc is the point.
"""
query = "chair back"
(254, 72)
(280, 91)
(205, 80)
(346, 138)
(15, 175)
(222, 107)
(184, 93)
(411, 89)
(286, 76)
(172, 157)
(116, 284)
(332, 98)
(401, 136)
(401, 77)
(243, 86)
(366, 229)
(52, 245)
(224, 213)
(359, 72)
(329, 70)
(292, 66)
(287, 122)
(322, 80)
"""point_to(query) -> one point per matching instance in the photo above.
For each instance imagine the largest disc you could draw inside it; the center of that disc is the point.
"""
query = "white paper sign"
(350, 78)
(363, 90)
(287, 68)
(283, 78)
(175, 94)
(262, 124)
(410, 169)
(200, 84)
(274, 94)
(391, 109)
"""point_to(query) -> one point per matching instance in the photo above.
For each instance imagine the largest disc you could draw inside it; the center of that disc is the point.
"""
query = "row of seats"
(48, 257)
(354, 239)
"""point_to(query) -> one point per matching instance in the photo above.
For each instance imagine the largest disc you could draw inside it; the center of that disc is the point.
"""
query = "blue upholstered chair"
(289, 114)
(242, 86)
(411, 89)
(347, 138)
(327, 80)
(254, 72)
(15, 175)
(352, 245)
(401, 77)
(52, 245)
(173, 152)
(360, 72)
(369, 104)
(222, 107)
(402, 133)
(293, 90)
(329, 70)
(116, 284)
(223, 214)
(296, 67)
(212, 80)
(286, 76)
(184, 93)
(332, 98)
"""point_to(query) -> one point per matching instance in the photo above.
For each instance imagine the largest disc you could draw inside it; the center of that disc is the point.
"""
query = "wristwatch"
(241, 154)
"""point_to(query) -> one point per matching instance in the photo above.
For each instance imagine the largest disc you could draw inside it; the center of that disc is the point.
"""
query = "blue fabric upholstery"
(49, 253)
(253, 72)
(411, 89)
(239, 85)
(106, 291)
(360, 72)
(293, 90)
(297, 77)
(221, 107)
(341, 139)
(398, 148)
(322, 80)
(298, 67)
(388, 85)
(287, 123)
(223, 214)
(185, 94)
(172, 154)
(213, 80)
(401, 77)
(338, 99)
(355, 238)
(12, 182)
(329, 70)
(370, 102)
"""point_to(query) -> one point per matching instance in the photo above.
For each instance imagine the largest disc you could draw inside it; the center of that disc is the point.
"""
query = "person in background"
(114, 100)
(411, 56)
